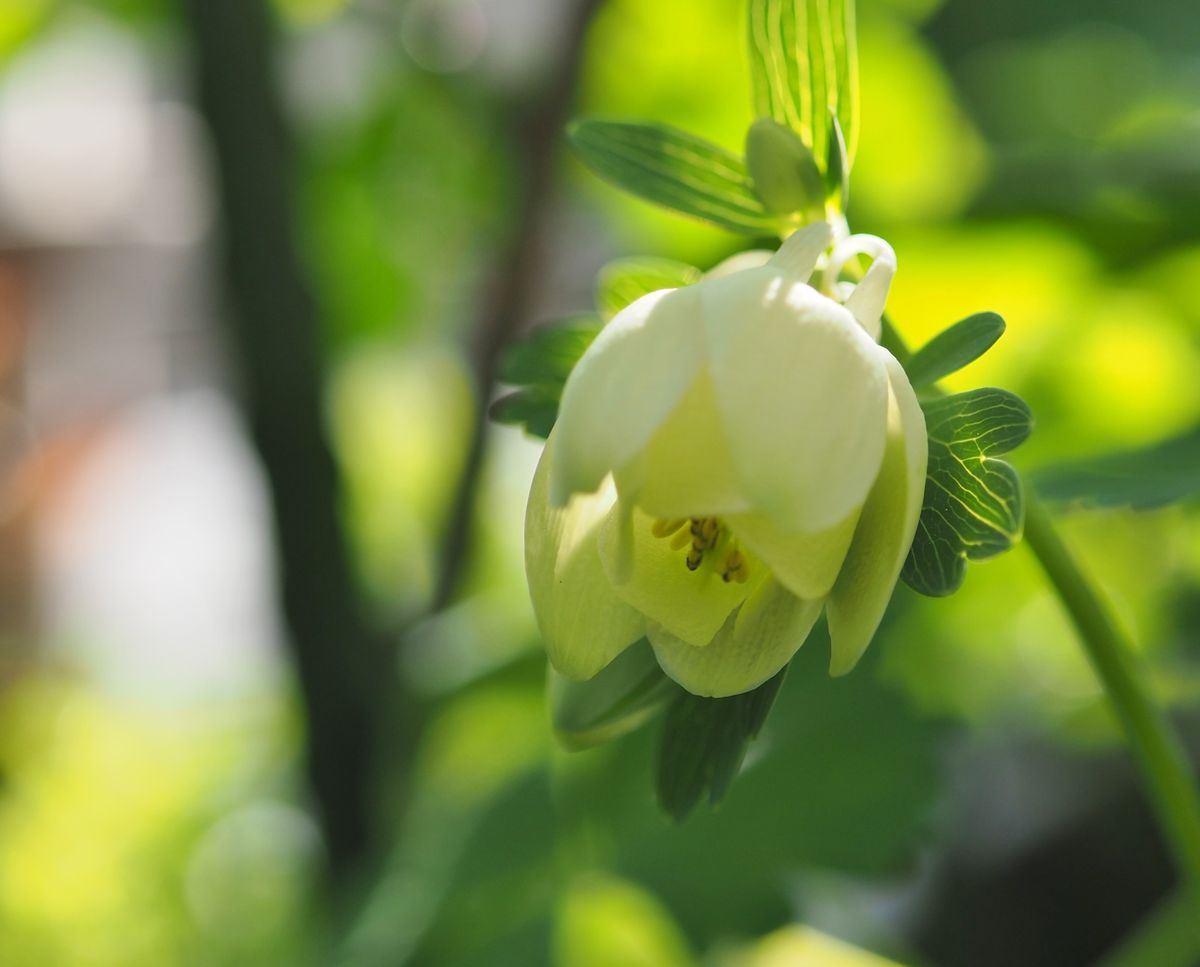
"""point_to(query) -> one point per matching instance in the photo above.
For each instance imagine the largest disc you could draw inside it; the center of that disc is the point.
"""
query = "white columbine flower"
(729, 458)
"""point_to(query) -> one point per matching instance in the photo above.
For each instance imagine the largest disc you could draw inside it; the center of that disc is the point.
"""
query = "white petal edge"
(583, 622)
(624, 387)
(867, 300)
(755, 258)
(885, 531)
(751, 647)
(797, 256)
(803, 394)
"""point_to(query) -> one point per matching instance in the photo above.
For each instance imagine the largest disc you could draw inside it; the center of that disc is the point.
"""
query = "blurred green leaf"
(606, 922)
(1145, 478)
(548, 354)
(783, 171)
(622, 697)
(624, 281)
(951, 350)
(540, 364)
(973, 505)
(803, 62)
(675, 169)
(535, 408)
(704, 741)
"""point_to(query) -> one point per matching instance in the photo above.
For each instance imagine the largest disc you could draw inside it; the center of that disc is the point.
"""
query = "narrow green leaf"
(1149, 477)
(837, 165)
(804, 62)
(535, 408)
(623, 282)
(951, 350)
(623, 697)
(973, 506)
(675, 169)
(782, 169)
(704, 742)
(548, 354)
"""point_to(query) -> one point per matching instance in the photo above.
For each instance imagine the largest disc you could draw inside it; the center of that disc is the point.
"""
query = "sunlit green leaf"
(951, 350)
(804, 62)
(837, 165)
(675, 169)
(1152, 476)
(621, 698)
(704, 741)
(624, 281)
(973, 506)
(782, 168)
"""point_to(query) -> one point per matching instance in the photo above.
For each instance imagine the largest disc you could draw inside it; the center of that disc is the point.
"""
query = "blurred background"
(270, 690)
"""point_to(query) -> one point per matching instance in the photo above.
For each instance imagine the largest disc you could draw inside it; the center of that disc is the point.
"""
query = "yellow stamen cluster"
(704, 534)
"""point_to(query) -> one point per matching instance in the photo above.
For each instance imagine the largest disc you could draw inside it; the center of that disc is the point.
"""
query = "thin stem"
(1168, 937)
(1164, 764)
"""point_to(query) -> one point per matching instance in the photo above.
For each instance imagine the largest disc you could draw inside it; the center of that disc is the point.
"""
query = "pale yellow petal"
(652, 576)
(803, 393)
(885, 531)
(624, 387)
(583, 622)
(805, 563)
(687, 469)
(750, 647)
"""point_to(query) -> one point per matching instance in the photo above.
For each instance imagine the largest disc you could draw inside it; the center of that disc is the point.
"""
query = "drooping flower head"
(729, 459)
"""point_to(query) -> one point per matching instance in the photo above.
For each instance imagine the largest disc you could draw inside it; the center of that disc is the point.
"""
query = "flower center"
(706, 538)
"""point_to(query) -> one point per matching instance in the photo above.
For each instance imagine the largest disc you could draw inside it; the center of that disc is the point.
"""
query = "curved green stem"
(1164, 764)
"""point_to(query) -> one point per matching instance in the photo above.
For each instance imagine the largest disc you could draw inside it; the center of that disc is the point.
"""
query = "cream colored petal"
(885, 531)
(867, 299)
(686, 470)
(750, 647)
(626, 384)
(583, 622)
(755, 258)
(803, 393)
(653, 577)
(797, 256)
(806, 564)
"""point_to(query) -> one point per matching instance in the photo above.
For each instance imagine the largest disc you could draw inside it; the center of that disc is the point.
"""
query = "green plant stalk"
(1168, 937)
(1165, 766)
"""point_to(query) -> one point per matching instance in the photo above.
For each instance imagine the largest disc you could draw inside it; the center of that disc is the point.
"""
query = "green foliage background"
(1042, 166)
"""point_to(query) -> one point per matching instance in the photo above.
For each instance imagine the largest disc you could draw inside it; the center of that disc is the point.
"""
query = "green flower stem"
(1164, 764)
(1168, 937)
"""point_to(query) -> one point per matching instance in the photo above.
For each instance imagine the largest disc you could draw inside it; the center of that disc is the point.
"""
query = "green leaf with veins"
(623, 282)
(973, 506)
(951, 350)
(704, 741)
(803, 63)
(674, 169)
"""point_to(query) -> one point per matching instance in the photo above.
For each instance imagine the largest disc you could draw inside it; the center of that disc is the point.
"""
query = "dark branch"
(273, 329)
(536, 133)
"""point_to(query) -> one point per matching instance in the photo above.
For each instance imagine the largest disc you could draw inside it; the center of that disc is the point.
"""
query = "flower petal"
(754, 258)
(625, 385)
(687, 469)
(803, 393)
(797, 256)
(582, 620)
(867, 299)
(654, 578)
(751, 646)
(806, 564)
(885, 531)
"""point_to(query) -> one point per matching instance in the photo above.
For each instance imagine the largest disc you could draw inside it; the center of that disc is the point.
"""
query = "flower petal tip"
(798, 255)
